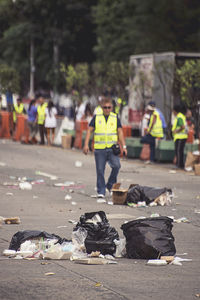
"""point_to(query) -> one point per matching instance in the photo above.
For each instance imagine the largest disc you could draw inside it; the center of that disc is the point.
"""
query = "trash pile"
(141, 196)
(95, 242)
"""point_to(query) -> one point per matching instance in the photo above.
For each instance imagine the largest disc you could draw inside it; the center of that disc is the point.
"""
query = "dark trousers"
(151, 141)
(42, 132)
(179, 150)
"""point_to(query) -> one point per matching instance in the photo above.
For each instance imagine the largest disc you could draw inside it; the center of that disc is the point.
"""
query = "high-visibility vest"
(18, 109)
(105, 133)
(157, 130)
(117, 107)
(98, 110)
(41, 113)
(182, 134)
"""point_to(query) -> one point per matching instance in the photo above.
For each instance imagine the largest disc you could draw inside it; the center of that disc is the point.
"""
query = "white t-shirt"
(50, 120)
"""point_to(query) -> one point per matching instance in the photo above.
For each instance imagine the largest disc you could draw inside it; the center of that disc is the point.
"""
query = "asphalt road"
(45, 208)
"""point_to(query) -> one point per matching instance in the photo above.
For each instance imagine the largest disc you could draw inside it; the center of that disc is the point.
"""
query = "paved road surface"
(45, 208)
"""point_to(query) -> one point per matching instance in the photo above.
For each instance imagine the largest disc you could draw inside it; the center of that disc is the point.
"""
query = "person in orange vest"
(41, 117)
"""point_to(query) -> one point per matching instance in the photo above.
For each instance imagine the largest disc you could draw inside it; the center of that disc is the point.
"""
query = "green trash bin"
(165, 151)
(134, 147)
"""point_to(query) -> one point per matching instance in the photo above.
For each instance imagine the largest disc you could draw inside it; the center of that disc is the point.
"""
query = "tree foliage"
(134, 26)
(9, 79)
(188, 77)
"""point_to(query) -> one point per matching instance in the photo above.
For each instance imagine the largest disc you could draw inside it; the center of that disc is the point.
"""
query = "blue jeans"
(151, 141)
(102, 156)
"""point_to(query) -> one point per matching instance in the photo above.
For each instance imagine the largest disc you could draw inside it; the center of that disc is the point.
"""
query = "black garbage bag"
(22, 236)
(100, 235)
(149, 238)
(148, 194)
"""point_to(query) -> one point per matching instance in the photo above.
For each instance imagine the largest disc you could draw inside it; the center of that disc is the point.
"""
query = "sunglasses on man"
(107, 107)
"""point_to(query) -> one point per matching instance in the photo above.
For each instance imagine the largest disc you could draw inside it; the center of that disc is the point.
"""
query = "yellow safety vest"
(41, 113)
(182, 134)
(19, 110)
(105, 133)
(157, 130)
(98, 110)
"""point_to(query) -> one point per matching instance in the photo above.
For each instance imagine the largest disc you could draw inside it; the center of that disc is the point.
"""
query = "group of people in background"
(41, 116)
(154, 127)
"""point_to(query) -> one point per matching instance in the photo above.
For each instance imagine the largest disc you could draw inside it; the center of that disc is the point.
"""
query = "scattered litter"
(182, 220)
(52, 177)
(62, 226)
(168, 259)
(68, 197)
(25, 186)
(197, 211)
(197, 295)
(12, 220)
(177, 260)
(11, 183)
(98, 284)
(35, 197)
(154, 215)
(38, 181)
(78, 164)
(9, 194)
(101, 200)
(72, 222)
(110, 203)
(2, 164)
(66, 183)
(73, 203)
(156, 262)
(49, 274)
(172, 171)
(94, 261)
(9, 253)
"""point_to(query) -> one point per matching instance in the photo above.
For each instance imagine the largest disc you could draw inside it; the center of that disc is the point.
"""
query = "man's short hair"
(106, 100)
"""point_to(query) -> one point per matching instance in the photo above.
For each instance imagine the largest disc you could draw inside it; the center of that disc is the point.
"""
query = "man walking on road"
(107, 131)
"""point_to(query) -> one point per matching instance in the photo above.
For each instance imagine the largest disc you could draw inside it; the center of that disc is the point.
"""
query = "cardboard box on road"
(66, 141)
(197, 169)
(118, 194)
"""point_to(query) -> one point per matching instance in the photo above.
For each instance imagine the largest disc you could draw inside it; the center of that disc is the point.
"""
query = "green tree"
(77, 78)
(188, 77)
(134, 26)
(9, 79)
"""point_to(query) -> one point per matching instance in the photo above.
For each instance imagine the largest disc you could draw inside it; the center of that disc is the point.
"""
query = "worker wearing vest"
(155, 130)
(18, 109)
(41, 117)
(98, 109)
(107, 131)
(179, 134)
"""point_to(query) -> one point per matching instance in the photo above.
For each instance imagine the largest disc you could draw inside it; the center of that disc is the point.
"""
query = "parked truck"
(152, 78)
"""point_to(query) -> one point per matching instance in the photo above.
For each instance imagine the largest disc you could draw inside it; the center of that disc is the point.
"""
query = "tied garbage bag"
(138, 193)
(100, 235)
(22, 236)
(149, 238)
